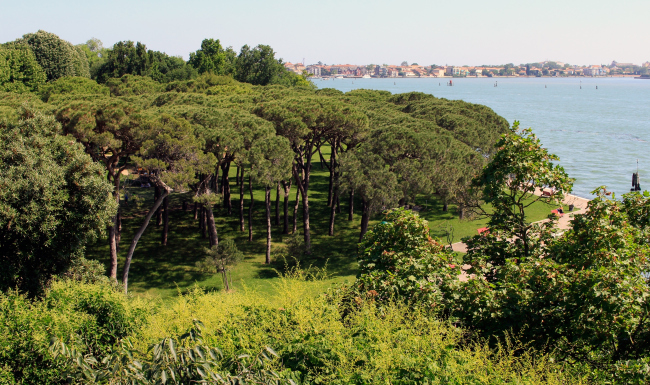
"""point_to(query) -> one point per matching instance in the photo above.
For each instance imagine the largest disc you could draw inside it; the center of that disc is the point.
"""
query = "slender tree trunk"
(218, 187)
(334, 192)
(295, 211)
(250, 209)
(365, 218)
(287, 189)
(225, 280)
(305, 222)
(351, 213)
(445, 207)
(204, 222)
(332, 215)
(212, 228)
(165, 205)
(113, 236)
(322, 159)
(159, 218)
(303, 185)
(184, 205)
(136, 238)
(237, 176)
(196, 211)
(118, 231)
(241, 200)
(227, 203)
(277, 205)
(268, 224)
(113, 248)
(332, 168)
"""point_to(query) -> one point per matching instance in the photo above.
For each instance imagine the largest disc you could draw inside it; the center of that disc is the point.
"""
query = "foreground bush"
(95, 316)
(294, 336)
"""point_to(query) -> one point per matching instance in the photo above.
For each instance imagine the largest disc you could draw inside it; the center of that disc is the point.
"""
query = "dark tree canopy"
(258, 65)
(212, 57)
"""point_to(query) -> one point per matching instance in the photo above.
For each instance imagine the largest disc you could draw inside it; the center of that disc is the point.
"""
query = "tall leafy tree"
(111, 131)
(307, 122)
(53, 201)
(271, 162)
(170, 157)
(258, 65)
(126, 57)
(57, 57)
(508, 183)
(214, 58)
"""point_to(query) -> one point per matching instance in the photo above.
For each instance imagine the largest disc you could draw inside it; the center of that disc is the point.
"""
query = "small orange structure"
(483, 230)
(556, 212)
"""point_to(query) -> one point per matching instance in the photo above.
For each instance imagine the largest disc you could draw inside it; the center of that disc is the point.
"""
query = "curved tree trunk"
(165, 231)
(129, 255)
(267, 198)
(287, 189)
(333, 213)
(241, 200)
(250, 209)
(212, 228)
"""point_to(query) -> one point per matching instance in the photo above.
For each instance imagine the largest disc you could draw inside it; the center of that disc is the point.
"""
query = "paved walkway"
(564, 223)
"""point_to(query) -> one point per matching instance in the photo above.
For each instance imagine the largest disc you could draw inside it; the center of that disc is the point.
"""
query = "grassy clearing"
(165, 271)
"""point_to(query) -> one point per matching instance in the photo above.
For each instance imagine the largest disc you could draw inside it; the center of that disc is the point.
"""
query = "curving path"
(580, 205)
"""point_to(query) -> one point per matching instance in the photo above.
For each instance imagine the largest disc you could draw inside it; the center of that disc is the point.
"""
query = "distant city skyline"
(471, 33)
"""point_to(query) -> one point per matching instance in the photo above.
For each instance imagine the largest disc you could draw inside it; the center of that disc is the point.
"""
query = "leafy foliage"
(74, 86)
(19, 69)
(213, 58)
(96, 315)
(57, 57)
(53, 201)
(398, 260)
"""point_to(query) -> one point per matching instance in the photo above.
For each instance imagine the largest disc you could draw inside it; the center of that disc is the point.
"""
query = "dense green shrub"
(74, 86)
(584, 295)
(97, 315)
(310, 343)
(19, 70)
(54, 199)
(129, 85)
(399, 260)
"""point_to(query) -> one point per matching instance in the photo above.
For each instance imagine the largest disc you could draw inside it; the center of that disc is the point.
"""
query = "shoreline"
(480, 77)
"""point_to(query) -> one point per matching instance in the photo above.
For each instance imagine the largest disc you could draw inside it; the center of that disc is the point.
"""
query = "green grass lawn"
(165, 271)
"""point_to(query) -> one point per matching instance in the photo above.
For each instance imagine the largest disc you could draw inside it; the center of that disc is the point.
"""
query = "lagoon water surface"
(598, 133)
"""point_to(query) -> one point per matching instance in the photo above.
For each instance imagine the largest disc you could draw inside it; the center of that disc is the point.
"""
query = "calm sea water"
(598, 133)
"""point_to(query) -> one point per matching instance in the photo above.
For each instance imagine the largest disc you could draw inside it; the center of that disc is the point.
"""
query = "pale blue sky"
(455, 32)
